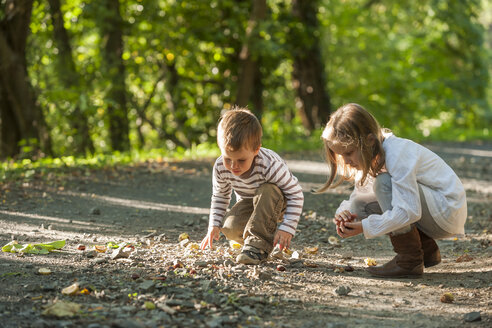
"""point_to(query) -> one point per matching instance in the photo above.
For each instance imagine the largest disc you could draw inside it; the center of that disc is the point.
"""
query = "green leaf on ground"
(41, 248)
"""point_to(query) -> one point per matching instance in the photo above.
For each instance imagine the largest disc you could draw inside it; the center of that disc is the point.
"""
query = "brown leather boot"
(409, 259)
(432, 255)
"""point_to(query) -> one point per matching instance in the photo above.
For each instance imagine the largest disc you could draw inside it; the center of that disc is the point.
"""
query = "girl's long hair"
(352, 126)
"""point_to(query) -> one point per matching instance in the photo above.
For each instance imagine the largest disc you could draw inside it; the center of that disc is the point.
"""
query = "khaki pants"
(253, 221)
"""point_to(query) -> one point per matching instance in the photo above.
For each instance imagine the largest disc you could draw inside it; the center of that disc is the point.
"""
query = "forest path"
(151, 204)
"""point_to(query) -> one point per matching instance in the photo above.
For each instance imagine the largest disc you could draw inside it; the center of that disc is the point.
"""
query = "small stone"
(100, 260)
(90, 255)
(229, 262)
(121, 253)
(147, 286)
(200, 264)
(473, 316)
(95, 211)
(349, 268)
(264, 275)
(343, 290)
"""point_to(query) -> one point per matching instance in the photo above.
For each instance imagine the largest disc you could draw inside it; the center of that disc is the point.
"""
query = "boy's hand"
(212, 234)
(282, 238)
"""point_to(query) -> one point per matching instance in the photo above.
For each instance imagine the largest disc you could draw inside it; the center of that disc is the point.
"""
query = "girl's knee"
(382, 184)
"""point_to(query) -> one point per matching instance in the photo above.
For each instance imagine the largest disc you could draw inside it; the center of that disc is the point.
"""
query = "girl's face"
(240, 161)
(351, 155)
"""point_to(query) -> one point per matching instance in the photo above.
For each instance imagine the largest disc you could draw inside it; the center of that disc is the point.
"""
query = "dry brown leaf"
(464, 258)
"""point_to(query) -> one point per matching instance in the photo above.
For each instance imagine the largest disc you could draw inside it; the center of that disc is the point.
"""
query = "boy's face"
(239, 161)
(351, 155)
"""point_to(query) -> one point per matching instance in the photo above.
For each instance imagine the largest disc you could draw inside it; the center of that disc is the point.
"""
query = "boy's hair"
(238, 128)
(351, 125)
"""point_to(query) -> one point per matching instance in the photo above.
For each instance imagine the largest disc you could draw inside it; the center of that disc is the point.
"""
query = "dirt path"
(163, 283)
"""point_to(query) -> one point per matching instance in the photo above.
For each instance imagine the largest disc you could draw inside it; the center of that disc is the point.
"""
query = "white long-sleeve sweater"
(410, 164)
(268, 167)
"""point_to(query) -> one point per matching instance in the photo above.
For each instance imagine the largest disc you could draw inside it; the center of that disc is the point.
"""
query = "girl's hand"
(283, 239)
(344, 216)
(212, 234)
(349, 229)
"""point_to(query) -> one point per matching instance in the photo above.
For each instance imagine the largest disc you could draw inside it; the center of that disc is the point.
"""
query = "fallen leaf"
(310, 265)
(193, 246)
(44, 271)
(370, 261)
(41, 248)
(85, 291)
(183, 236)
(62, 309)
(71, 290)
(287, 251)
(447, 298)
(333, 240)
(177, 264)
(464, 258)
(235, 245)
(112, 245)
(311, 250)
(100, 248)
(165, 308)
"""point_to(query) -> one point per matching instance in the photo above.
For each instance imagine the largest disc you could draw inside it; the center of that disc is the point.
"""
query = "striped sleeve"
(279, 174)
(221, 196)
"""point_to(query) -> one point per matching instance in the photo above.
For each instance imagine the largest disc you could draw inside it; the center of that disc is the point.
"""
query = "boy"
(265, 191)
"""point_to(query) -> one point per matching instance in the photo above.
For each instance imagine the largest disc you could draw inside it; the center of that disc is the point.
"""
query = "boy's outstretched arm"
(212, 234)
(282, 238)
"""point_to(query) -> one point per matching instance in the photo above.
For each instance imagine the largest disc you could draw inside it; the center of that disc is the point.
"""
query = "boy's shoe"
(251, 255)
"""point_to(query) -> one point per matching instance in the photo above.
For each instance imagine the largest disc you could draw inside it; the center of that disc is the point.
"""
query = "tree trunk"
(21, 117)
(308, 71)
(171, 94)
(248, 62)
(114, 68)
(70, 79)
(257, 96)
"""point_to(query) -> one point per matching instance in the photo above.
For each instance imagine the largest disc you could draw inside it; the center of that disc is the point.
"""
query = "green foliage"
(413, 64)
(420, 66)
(27, 169)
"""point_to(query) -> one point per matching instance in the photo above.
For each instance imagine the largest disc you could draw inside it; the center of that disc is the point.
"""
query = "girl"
(401, 189)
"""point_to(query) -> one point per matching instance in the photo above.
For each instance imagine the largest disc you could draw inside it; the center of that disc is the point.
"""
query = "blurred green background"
(84, 79)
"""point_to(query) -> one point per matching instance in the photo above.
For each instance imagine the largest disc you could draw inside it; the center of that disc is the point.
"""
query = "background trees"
(80, 77)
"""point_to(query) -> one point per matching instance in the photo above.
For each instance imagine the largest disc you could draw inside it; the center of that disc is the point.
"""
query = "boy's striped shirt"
(269, 167)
